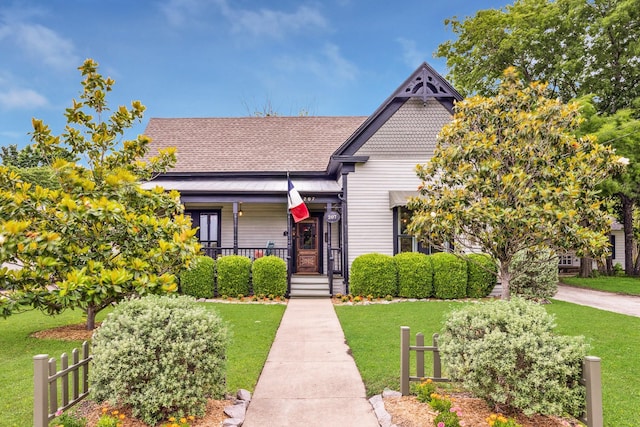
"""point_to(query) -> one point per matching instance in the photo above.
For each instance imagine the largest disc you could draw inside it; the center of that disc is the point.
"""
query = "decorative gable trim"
(424, 83)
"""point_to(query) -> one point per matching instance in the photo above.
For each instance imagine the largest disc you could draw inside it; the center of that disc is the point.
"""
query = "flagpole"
(289, 241)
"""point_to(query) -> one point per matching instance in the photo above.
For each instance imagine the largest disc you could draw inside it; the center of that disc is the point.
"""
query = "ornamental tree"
(508, 174)
(98, 237)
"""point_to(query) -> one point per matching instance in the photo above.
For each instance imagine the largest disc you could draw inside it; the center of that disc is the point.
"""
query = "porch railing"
(255, 252)
(251, 253)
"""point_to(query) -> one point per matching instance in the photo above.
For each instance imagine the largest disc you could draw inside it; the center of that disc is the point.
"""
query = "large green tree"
(579, 47)
(508, 174)
(99, 237)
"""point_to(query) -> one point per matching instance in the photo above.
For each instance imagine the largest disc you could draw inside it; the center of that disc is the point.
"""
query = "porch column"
(235, 228)
(329, 252)
(345, 233)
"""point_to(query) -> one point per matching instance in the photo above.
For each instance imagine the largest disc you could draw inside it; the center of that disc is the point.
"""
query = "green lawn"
(617, 284)
(373, 333)
(253, 329)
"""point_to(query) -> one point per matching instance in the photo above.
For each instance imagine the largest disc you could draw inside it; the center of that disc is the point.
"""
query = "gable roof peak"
(425, 83)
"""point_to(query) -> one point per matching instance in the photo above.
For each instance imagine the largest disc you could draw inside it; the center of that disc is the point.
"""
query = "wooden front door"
(307, 246)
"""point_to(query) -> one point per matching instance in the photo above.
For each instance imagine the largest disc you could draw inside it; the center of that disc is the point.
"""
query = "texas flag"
(296, 205)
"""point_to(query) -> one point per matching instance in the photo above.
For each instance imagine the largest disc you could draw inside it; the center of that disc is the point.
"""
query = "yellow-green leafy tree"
(508, 174)
(99, 237)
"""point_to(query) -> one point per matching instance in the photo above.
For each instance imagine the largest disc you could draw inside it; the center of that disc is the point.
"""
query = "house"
(355, 175)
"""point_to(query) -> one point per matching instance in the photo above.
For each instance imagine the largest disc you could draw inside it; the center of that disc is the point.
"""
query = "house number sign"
(333, 217)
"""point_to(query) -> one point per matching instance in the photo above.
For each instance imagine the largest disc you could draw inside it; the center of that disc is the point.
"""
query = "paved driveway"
(622, 304)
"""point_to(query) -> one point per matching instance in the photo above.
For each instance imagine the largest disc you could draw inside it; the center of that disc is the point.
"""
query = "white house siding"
(258, 224)
(405, 140)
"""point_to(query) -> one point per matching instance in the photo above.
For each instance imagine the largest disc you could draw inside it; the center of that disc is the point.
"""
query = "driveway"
(623, 304)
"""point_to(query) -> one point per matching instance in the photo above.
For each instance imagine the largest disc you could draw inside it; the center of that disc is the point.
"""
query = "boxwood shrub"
(415, 275)
(374, 274)
(482, 274)
(161, 356)
(234, 274)
(506, 353)
(198, 281)
(269, 276)
(449, 276)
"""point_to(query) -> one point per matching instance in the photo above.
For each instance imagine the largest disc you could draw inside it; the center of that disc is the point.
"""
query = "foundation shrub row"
(234, 276)
(416, 275)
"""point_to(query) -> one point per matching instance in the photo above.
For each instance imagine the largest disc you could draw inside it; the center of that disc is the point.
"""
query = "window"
(404, 242)
(208, 223)
(612, 242)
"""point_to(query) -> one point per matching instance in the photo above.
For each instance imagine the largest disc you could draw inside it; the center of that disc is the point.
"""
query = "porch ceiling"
(268, 185)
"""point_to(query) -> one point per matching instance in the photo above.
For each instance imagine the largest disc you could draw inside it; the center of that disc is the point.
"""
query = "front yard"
(253, 328)
(373, 334)
(617, 284)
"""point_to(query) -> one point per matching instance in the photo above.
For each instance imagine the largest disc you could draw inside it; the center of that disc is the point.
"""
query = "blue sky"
(216, 58)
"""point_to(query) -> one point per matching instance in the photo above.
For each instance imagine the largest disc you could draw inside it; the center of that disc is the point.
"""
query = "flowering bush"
(424, 390)
(66, 420)
(161, 356)
(113, 419)
(447, 419)
(180, 422)
(499, 420)
(440, 403)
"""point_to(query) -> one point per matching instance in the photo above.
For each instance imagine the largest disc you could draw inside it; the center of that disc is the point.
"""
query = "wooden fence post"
(593, 381)
(420, 355)
(404, 360)
(40, 385)
(437, 365)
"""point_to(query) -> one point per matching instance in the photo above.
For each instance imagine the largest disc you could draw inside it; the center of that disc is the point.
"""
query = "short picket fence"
(591, 373)
(73, 381)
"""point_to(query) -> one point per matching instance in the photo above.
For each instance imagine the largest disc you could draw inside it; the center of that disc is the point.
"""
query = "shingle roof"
(255, 144)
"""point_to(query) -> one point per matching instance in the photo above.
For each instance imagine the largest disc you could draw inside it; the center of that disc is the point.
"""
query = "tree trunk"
(505, 280)
(586, 267)
(91, 318)
(627, 223)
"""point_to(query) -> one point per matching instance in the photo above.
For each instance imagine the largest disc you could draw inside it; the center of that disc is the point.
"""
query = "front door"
(307, 246)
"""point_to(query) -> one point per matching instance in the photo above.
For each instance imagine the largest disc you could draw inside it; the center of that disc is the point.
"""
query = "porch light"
(240, 210)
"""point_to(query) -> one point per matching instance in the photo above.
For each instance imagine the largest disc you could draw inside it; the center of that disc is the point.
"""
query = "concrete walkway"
(623, 304)
(310, 379)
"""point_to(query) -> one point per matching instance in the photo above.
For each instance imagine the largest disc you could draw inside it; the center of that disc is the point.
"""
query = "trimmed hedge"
(374, 274)
(234, 273)
(482, 273)
(198, 281)
(269, 276)
(415, 275)
(449, 276)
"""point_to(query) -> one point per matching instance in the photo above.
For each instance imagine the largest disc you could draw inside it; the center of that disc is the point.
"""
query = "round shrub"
(198, 281)
(374, 274)
(481, 275)
(506, 353)
(415, 275)
(160, 355)
(234, 272)
(449, 275)
(269, 276)
(534, 274)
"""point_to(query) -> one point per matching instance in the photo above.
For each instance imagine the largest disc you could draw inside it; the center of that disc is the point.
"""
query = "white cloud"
(180, 12)
(13, 99)
(330, 66)
(273, 23)
(256, 23)
(43, 43)
(411, 55)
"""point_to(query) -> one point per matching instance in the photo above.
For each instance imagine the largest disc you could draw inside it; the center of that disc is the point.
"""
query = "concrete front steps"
(312, 286)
